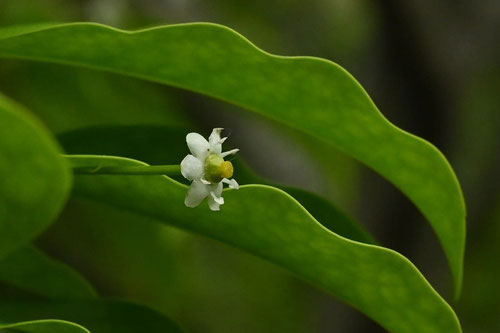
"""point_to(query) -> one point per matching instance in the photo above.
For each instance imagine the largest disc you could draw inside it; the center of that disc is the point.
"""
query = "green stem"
(168, 170)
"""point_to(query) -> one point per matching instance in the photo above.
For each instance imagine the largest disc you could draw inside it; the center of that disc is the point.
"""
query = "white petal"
(232, 183)
(213, 205)
(217, 189)
(198, 145)
(229, 152)
(192, 168)
(196, 193)
(215, 141)
(215, 136)
(215, 199)
(219, 200)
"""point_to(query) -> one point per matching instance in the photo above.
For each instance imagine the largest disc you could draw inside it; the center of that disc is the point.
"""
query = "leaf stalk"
(167, 170)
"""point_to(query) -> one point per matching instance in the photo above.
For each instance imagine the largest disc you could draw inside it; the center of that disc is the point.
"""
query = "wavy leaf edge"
(455, 263)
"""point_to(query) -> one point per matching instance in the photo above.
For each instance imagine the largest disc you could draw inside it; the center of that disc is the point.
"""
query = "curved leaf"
(97, 316)
(312, 95)
(135, 142)
(29, 269)
(44, 326)
(269, 223)
(35, 179)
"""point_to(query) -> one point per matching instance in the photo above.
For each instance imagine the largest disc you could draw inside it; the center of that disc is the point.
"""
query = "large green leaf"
(311, 95)
(97, 316)
(43, 326)
(135, 142)
(35, 179)
(32, 271)
(269, 223)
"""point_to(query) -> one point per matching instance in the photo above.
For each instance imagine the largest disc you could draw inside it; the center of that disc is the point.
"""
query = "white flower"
(207, 169)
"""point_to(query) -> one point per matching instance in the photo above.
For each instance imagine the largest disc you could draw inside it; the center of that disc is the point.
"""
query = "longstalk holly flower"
(207, 170)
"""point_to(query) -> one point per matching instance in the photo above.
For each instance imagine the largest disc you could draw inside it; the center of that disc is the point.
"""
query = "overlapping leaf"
(34, 180)
(97, 316)
(311, 95)
(48, 294)
(269, 223)
(43, 326)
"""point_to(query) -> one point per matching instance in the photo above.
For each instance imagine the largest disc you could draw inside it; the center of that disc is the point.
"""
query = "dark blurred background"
(432, 68)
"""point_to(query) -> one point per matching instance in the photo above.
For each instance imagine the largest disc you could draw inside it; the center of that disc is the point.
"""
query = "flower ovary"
(217, 169)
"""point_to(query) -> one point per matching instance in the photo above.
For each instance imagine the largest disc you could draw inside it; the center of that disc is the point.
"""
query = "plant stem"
(168, 170)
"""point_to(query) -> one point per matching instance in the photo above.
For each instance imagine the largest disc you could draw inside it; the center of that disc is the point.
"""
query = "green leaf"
(35, 179)
(97, 316)
(31, 270)
(269, 223)
(312, 95)
(135, 142)
(44, 326)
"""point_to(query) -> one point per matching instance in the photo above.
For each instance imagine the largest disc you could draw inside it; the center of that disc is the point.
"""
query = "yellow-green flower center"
(216, 168)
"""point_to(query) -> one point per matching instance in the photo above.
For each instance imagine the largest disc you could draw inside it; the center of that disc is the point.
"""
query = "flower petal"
(219, 200)
(232, 183)
(215, 141)
(198, 145)
(229, 152)
(215, 198)
(196, 193)
(192, 168)
(215, 136)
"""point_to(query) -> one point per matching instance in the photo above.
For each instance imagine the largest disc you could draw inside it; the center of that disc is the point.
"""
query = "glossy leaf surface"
(269, 223)
(312, 95)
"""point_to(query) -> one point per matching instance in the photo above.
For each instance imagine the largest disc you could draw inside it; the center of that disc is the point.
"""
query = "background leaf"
(269, 223)
(31, 270)
(35, 180)
(45, 289)
(218, 62)
(193, 279)
(44, 326)
(97, 316)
